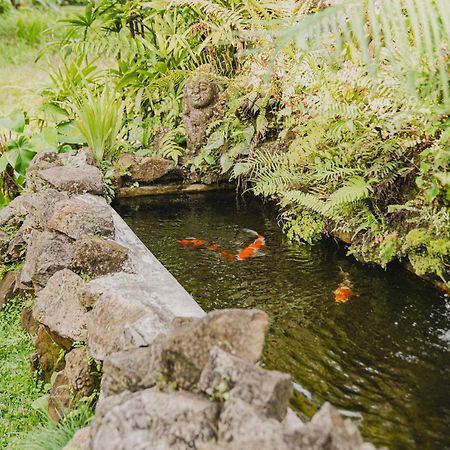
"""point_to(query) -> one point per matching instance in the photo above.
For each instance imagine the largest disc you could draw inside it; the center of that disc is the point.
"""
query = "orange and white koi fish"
(193, 242)
(343, 293)
(247, 252)
(252, 250)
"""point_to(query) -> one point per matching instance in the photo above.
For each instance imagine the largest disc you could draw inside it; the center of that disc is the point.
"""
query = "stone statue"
(200, 101)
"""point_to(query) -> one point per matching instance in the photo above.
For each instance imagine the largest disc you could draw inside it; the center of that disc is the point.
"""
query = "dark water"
(383, 357)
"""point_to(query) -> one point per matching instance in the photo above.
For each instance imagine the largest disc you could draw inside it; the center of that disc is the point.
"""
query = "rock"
(80, 440)
(79, 372)
(13, 214)
(116, 316)
(74, 180)
(76, 218)
(40, 206)
(29, 324)
(240, 332)
(45, 160)
(78, 158)
(147, 170)
(74, 382)
(50, 350)
(150, 420)
(5, 238)
(240, 422)
(47, 253)
(200, 104)
(95, 256)
(132, 370)
(226, 376)
(329, 430)
(61, 397)
(35, 211)
(58, 306)
(250, 443)
(7, 288)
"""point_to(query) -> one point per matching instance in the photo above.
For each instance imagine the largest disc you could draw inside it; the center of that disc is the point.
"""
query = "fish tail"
(253, 232)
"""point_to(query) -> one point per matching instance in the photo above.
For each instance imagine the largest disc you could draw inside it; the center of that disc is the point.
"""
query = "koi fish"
(247, 252)
(343, 293)
(227, 255)
(194, 243)
(251, 250)
(213, 247)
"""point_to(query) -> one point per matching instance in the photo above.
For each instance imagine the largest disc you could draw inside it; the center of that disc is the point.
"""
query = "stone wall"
(169, 375)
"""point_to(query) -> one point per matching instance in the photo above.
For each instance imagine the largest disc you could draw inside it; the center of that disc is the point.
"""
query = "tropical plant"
(99, 121)
(17, 149)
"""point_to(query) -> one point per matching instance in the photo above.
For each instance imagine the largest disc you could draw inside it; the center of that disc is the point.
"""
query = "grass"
(18, 388)
(23, 36)
(23, 422)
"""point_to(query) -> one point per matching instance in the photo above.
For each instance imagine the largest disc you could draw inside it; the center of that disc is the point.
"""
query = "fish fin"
(248, 230)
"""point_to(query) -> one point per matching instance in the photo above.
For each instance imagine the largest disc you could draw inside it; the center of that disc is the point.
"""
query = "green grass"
(18, 388)
(23, 72)
(51, 436)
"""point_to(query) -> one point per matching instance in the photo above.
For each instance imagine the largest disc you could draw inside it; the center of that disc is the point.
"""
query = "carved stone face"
(202, 93)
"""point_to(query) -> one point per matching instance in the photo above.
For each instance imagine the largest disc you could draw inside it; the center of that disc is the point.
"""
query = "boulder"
(78, 157)
(240, 422)
(5, 239)
(7, 288)
(13, 214)
(230, 378)
(117, 321)
(146, 170)
(74, 382)
(79, 372)
(58, 306)
(180, 357)
(151, 420)
(76, 218)
(41, 205)
(132, 370)
(329, 430)
(61, 397)
(74, 180)
(239, 332)
(49, 356)
(80, 440)
(45, 160)
(29, 323)
(47, 253)
(95, 256)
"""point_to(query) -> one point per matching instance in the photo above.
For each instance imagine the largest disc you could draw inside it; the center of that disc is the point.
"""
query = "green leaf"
(47, 139)
(226, 163)
(241, 169)
(69, 133)
(15, 121)
(19, 154)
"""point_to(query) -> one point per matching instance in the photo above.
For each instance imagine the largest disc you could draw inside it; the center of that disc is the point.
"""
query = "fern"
(398, 32)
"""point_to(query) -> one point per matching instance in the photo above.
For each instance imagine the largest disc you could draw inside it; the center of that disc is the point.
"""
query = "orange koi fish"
(343, 293)
(213, 247)
(252, 250)
(194, 243)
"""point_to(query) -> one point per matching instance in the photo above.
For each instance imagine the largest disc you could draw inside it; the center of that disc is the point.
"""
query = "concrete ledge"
(141, 191)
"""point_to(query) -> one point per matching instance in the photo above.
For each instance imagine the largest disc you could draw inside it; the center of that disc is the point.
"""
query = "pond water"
(383, 357)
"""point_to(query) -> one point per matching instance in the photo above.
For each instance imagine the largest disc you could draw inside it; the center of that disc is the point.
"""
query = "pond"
(382, 357)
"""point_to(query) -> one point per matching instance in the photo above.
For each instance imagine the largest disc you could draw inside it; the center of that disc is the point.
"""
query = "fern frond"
(356, 189)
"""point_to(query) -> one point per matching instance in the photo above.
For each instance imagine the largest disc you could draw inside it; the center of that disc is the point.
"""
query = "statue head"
(201, 92)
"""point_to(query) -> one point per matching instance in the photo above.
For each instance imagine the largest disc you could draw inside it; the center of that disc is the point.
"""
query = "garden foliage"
(339, 113)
